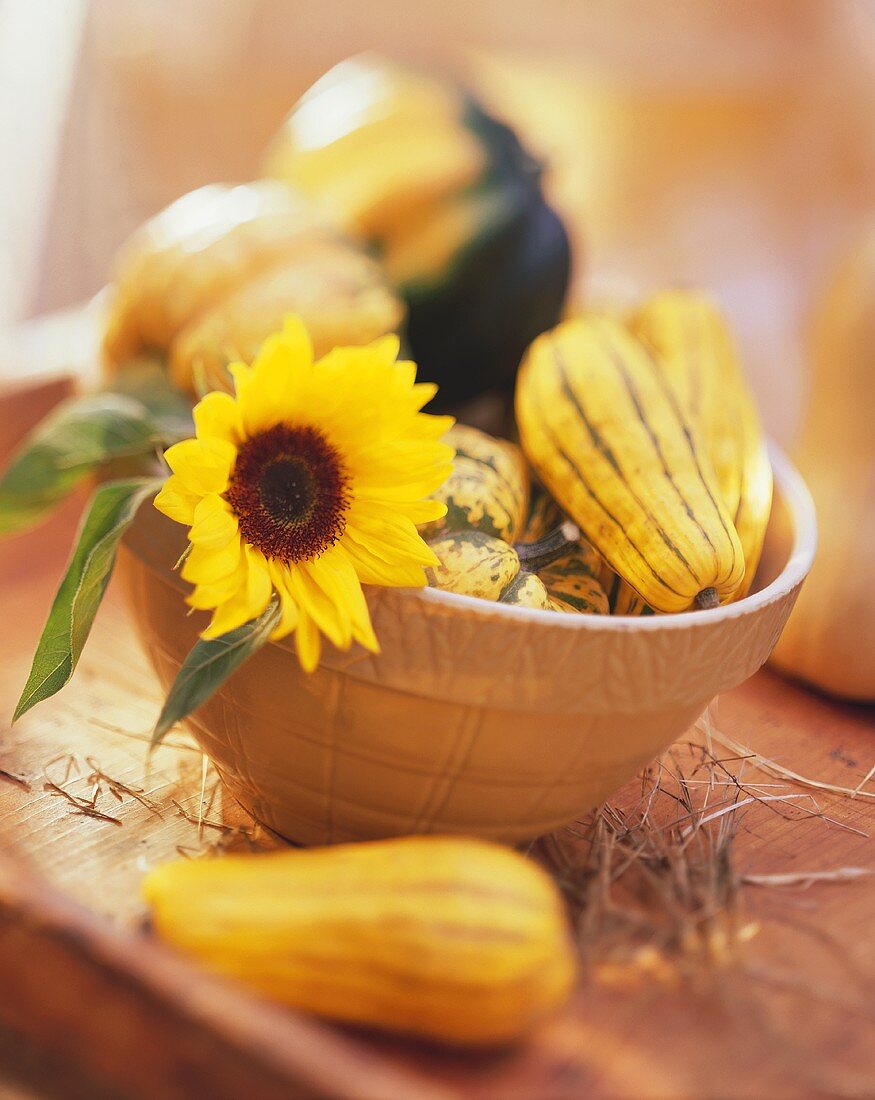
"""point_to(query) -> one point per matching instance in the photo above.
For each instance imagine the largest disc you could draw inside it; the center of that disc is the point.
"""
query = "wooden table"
(771, 994)
(790, 1012)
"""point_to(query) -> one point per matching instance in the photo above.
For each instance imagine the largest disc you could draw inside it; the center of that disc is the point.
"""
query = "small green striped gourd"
(471, 563)
(544, 516)
(572, 582)
(622, 598)
(605, 434)
(488, 490)
(527, 590)
(488, 509)
(577, 574)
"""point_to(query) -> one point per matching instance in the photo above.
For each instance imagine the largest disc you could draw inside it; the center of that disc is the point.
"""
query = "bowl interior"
(788, 551)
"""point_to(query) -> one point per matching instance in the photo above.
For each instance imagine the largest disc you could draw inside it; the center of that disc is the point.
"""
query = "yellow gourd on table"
(452, 939)
(829, 640)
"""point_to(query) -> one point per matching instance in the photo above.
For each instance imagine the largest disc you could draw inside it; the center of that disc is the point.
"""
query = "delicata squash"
(606, 435)
(452, 939)
(207, 279)
(693, 343)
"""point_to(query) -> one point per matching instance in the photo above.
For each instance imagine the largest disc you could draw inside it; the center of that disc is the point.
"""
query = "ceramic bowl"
(475, 718)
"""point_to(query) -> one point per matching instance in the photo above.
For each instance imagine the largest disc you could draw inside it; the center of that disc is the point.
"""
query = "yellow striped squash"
(694, 347)
(622, 598)
(605, 433)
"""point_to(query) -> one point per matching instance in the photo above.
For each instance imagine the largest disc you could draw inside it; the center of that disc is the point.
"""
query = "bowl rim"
(788, 482)
(794, 491)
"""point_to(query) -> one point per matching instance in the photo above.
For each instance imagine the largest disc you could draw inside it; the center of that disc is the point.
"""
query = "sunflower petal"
(229, 615)
(372, 569)
(209, 566)
(335, 573)
(307, 642)
(354, 597)
(214, 525)
(202, 466)
(317, 593)
(290, 613)
(206, 597)
(258, 583)
(263, 391)
(386, 348)
(176, 501)
(390, 532)
(417, 511)
(216, 415)
(296, 340)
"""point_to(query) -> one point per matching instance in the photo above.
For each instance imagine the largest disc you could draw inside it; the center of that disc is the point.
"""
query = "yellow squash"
(207, 279)
(829, 639)
(604, 433)
(694, 346)
(455, 940)
(378, 146)
(487, 491)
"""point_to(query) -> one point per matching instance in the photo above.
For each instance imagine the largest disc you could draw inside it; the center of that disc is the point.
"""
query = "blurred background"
(728, 143)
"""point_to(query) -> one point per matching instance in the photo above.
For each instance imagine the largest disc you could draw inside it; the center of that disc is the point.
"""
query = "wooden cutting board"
(783, 1005)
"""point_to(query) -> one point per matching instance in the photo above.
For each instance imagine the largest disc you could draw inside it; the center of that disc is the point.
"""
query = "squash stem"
(707, 599)
(536, 555)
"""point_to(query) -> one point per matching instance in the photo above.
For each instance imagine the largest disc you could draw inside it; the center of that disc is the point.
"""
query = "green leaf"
(76, 438)
(110, 512)
(209, 665)
(146, 379)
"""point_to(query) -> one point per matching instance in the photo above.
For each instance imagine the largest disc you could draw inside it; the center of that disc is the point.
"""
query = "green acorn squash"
(450, 202)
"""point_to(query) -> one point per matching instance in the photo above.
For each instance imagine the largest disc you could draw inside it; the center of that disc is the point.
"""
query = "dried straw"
(773, 768)
(652, 882)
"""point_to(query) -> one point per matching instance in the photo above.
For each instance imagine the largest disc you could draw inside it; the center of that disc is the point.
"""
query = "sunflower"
(307, 483)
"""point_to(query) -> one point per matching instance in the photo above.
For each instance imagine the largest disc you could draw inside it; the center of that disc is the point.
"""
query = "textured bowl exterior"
(475, 718)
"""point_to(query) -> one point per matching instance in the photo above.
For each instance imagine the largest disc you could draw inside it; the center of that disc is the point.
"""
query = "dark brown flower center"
(290, 491)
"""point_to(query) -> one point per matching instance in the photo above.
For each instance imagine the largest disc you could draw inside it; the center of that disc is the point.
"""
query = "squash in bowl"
(476, 717)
